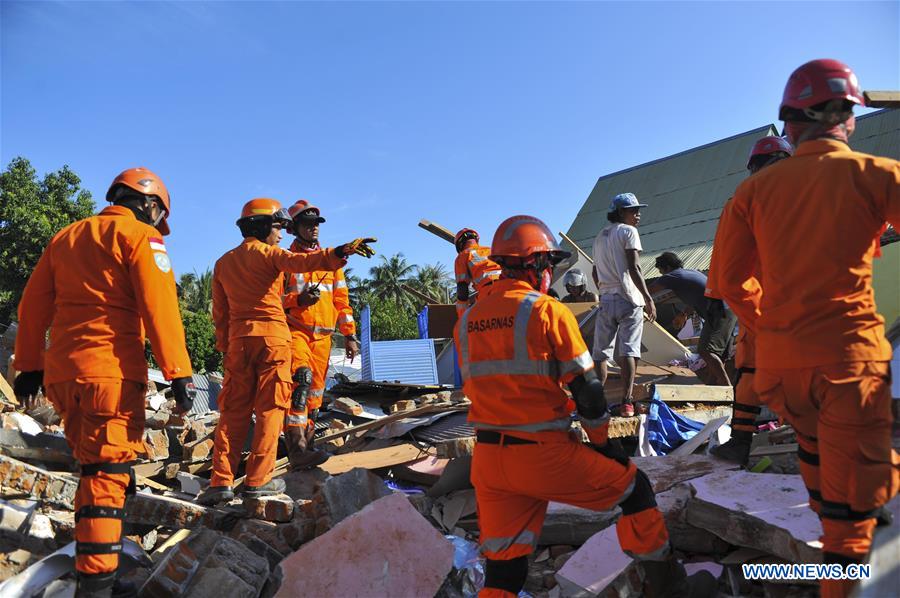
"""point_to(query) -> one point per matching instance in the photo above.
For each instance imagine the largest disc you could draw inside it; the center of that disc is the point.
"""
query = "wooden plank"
(420, 295)
(7, 391)
(148, 470)
(775, 449)
(566, 238)
(142, 481)
(882, 99)
(660, 347)
(695, 393)
(438, 230)
(375, 459)
(699, 438)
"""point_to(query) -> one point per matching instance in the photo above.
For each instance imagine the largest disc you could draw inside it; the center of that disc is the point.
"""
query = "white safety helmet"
(574, 278)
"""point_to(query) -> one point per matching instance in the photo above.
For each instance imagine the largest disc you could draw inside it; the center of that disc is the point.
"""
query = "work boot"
(96, 585)
(736, 450)
(270, 488)
(214, 495)
(300, 454)
(668, 579)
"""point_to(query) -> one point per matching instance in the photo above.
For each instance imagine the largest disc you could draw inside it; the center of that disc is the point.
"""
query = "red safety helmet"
(145, 182)
(464, 235)
(264, 207)
(306, 210)
(522, 237)
(770, 145)
(817, 82)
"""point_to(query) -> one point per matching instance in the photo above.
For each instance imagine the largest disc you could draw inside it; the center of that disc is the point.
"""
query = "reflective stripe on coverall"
(517, 348)
(312, 326)
(474, 267)
(812, 222)
(252, 330)
(96, 282)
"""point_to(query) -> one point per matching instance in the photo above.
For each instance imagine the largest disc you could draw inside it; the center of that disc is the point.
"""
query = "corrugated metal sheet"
(207, 391)
(686, 192)
(408, 361)
(878, 134)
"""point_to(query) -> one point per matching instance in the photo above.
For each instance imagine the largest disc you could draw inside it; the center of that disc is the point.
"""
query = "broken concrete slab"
(667, 472)
(304, 484)
(456, 476)
(191, 484)
(600, 567)
(28, 528)
(208, 564)
(199, 450)
(48, 448)
(768, 512)
(565, 524)
(345, 494)
(150, 509)
(323, 566)
(50, 488)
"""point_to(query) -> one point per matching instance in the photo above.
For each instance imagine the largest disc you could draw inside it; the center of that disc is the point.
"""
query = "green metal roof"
(685, 192)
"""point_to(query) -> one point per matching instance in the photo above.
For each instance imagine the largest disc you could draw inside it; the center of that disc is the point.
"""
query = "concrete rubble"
(396, 488)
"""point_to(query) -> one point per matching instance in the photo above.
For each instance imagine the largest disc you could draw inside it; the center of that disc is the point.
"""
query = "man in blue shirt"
(689, 286)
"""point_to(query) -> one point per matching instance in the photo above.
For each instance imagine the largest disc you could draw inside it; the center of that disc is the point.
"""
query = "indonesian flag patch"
(156, 244)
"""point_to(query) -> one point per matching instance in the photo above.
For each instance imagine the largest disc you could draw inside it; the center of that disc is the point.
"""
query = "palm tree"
(388, 277)
(433, 280)
(195, 291)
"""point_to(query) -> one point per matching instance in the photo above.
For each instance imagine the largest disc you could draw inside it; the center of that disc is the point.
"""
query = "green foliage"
(31, 212)
(195, 291)
(389, 277)
(434, 280)
(390, 320)
(200, 338)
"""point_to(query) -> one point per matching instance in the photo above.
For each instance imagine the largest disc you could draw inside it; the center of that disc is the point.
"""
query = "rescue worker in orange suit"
(252, 332)
(473, 268)
(811, 224)
(747, 406)
(100, 284)
(315, 302)
(518, 349)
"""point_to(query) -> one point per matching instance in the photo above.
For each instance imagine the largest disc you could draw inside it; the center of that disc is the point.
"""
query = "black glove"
(358, 246)
(183, 391)
(309, 297)
(611, 450)
(27, 384)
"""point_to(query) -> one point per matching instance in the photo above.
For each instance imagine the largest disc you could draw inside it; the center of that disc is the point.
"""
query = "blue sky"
(386, 113)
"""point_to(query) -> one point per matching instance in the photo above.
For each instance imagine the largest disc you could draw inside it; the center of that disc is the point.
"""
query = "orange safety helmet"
(264, 207)
(301, 207)
(464, 235)
(525, 236)
(145, 182)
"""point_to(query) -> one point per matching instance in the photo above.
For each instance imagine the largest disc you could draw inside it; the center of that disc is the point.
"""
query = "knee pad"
(506, 575)
(642, 496)
(303, 377)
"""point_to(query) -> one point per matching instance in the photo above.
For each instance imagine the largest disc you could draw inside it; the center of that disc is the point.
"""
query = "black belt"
(492, 437)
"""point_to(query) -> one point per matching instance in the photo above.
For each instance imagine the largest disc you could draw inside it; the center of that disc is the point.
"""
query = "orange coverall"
(252, 332)
(747, 404)
(517, 349)
(474, 267)
(312, 326)
(95, 284)
(822, 358)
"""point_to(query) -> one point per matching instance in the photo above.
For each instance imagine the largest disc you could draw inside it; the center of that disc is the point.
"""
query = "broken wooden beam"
(882, 99)
(695, 393)
(437, 229)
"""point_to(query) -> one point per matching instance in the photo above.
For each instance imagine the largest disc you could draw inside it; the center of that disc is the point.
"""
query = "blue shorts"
(619, 324)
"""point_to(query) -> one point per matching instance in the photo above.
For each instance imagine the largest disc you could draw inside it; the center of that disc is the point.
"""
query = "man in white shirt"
(623, 293)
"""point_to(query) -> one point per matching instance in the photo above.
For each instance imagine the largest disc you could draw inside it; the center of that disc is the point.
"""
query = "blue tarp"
(666, 430)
